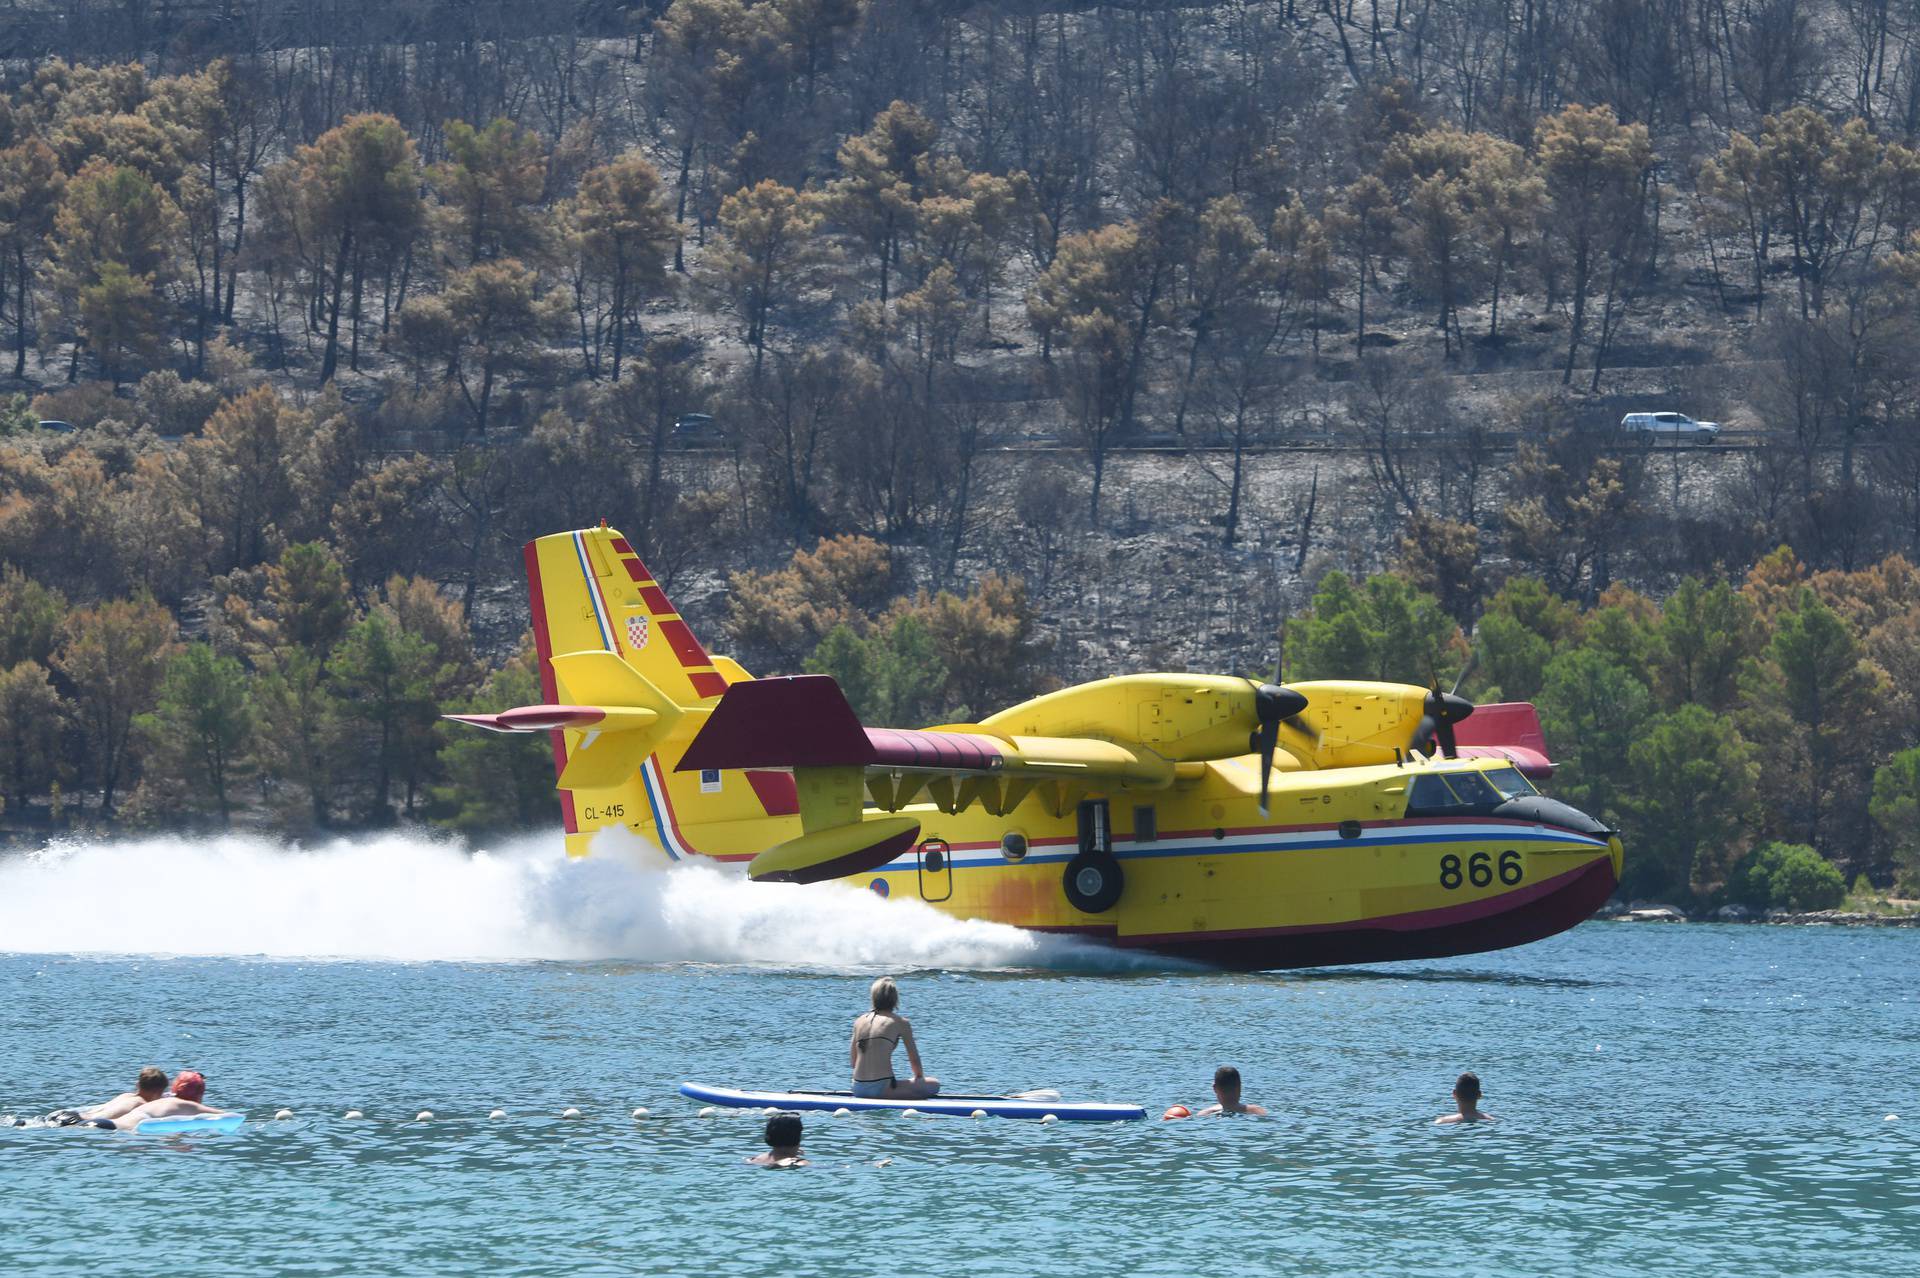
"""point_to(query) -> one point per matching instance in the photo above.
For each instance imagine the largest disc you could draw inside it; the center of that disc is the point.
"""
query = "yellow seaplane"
(1240, 823)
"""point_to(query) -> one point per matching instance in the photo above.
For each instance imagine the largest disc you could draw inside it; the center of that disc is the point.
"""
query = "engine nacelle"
(1181, 717)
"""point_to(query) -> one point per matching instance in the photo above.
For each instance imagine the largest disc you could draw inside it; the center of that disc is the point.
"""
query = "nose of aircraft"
(1538, 807)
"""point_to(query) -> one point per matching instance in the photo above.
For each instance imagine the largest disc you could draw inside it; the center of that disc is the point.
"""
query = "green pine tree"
(198, 733)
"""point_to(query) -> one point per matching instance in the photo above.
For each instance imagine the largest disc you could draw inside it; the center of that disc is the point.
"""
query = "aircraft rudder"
(549, 690)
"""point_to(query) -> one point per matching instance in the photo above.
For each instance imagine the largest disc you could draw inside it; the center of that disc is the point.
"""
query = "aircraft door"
(935, 870)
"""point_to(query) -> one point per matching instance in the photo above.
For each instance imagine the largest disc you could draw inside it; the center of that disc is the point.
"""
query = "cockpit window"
(1430, 794)
(1473, 790)
(1509, 782)
(1454, 793)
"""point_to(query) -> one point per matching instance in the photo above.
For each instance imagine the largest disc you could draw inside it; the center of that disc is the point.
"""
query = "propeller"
(1273, 703)
(1442, 711)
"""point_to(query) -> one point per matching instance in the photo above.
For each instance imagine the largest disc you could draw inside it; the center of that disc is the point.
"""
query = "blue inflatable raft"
(203, 1124)
(959, 1106)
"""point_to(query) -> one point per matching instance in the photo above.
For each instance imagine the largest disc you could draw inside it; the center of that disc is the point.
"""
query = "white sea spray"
(414, 897)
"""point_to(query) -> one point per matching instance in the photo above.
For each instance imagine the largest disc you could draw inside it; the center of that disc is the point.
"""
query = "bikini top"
(861, 1043)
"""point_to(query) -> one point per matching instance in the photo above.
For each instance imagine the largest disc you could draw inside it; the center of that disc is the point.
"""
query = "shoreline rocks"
(1654, 912)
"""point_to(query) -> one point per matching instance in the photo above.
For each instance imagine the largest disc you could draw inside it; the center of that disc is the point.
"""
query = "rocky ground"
(1153, 586)
(1896, 914)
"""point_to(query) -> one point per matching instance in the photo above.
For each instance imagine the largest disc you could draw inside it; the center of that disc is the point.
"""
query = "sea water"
(1694, 1099)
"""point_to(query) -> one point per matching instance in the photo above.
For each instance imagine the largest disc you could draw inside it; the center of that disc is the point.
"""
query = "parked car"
(695, 430)
(1675, 426)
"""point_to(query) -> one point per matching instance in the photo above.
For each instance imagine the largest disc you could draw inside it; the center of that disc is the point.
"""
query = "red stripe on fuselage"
(549, 690)
(706, 683)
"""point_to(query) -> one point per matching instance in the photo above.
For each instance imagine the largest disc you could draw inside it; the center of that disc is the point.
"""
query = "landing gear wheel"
(1093, 882)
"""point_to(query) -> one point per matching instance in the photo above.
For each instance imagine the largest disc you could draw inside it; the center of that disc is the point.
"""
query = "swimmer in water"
(1226, 1092)
(875, 1035)
(783, 1143)
(188, 1088)
(151, 1086)
(1466, 1094)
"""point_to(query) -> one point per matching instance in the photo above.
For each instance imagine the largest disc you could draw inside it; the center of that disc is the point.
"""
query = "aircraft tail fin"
(591, 593)
(620, 673)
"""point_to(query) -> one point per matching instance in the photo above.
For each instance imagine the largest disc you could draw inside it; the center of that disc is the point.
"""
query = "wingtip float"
(1213, 817)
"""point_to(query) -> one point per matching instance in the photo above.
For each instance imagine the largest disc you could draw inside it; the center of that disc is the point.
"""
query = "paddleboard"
(961, 1106)
(203, 1123)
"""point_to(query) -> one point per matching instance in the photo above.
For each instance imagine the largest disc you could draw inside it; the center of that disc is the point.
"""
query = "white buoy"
(569, 1112)
(842, 1112)
(498, 1113)
(909, 1112)
(353, 1113)
(979, 1113)
(640, 1112)
(423, 1116)
(1049, 1118)
(709, 1111)
(282, 1114)
(1893, 1118)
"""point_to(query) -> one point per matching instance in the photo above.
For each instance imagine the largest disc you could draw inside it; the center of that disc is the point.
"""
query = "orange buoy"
(1177, 1111)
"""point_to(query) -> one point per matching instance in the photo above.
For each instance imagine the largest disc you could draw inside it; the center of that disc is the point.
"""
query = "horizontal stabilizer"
(547, 718)
(624, 719)
(1507, 730)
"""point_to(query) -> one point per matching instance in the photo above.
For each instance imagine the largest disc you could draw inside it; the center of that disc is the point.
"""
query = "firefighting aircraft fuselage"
(1204, 816)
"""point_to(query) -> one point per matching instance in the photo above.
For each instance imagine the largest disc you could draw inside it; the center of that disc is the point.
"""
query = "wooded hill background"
(960, 349)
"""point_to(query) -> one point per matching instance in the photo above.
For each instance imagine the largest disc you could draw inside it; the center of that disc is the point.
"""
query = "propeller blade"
(1473, 658)
(1265, 741)
(1443, 710)
(1423, 734)
(1272, 703)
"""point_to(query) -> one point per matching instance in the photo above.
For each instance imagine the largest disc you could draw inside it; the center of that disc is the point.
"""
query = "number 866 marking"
(1480, 869)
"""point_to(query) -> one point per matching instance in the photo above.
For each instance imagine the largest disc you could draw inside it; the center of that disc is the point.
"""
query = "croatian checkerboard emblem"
(636, 633)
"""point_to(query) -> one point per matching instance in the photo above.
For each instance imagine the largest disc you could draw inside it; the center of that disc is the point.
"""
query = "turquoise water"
(1693, 1099)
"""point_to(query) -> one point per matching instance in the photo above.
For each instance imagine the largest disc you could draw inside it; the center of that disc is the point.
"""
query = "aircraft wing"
(804, 723)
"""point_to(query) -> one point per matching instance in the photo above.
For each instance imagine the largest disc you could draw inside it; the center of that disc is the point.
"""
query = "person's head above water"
(1226, 1084)
(152, 1084)
(189, 1085)
(784, 1131)
(885, 994)
(1466, 1089)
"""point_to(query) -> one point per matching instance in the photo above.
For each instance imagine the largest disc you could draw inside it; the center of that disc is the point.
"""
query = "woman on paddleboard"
(875, 1035)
